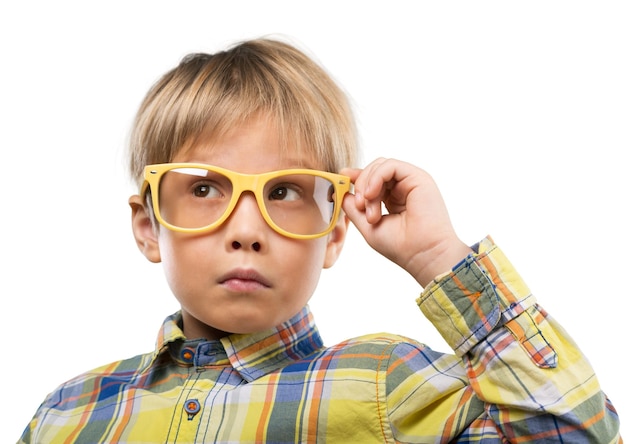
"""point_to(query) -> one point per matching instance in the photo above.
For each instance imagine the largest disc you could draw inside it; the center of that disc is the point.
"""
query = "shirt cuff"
(478, 295)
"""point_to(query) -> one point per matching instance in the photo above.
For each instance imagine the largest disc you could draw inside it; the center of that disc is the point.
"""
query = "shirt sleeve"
(533, 380)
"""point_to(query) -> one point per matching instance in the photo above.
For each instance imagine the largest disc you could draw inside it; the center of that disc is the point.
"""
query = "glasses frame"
(241, 183)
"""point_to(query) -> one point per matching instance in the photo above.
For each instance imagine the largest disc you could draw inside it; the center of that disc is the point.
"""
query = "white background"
(517, 109)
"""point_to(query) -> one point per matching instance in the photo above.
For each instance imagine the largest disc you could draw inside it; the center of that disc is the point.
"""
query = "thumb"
(356, 216)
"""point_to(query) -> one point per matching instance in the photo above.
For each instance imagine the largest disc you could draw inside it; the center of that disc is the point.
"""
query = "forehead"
(254, 146)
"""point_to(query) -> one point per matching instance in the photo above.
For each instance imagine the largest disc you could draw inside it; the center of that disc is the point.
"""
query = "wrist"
(437, 261)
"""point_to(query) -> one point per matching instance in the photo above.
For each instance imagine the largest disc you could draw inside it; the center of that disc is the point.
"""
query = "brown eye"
(285, 192)
(206, 191)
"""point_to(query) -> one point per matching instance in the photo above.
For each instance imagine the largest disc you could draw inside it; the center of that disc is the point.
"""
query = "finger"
(380, 181)
(353, 174)
(360, 183)
(357, 216)
(368, 202)
(384, 176)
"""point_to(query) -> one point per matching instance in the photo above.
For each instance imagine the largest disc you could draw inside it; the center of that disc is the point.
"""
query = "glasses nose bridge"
(252, 183)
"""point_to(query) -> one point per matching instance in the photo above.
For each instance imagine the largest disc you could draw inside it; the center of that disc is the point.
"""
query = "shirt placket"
(195, 413)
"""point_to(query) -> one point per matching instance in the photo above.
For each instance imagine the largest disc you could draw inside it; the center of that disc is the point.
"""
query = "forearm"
(519, 361)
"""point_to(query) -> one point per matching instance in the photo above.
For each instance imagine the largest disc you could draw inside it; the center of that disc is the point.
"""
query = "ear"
(143, 229)
(336, 240)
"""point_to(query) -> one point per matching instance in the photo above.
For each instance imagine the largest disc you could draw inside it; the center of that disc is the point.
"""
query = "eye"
(287, 192)
(207, 191)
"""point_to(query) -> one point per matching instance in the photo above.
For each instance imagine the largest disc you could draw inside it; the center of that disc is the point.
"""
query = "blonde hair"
(207, 95)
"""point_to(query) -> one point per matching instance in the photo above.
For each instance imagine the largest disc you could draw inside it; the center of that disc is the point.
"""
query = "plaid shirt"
(515, 377)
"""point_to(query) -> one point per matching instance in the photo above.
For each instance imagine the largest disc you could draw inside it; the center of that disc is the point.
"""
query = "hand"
(416, 233)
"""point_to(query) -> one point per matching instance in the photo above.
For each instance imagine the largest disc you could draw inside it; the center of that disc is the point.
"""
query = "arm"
(535, 384)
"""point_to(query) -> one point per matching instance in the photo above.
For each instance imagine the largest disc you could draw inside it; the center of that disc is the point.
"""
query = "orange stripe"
(127, 415)
(315, 401)
(398, 362)
(495, 277)
(454, 419)
(85, 416)
(267, 408)
(473, 296)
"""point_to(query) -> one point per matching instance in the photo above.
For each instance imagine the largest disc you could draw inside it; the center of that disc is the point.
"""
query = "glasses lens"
(300, 203)
(193, 197)
(197, 197)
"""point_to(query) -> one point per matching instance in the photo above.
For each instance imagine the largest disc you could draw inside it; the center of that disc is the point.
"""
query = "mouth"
(244, 281)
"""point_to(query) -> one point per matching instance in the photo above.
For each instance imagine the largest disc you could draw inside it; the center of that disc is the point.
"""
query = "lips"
(244, 280)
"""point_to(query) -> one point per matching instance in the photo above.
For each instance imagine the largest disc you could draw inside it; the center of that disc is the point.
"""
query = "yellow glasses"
(197, 198)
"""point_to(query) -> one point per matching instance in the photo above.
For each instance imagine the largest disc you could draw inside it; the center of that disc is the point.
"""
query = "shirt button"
(187, 355)
(192, 406)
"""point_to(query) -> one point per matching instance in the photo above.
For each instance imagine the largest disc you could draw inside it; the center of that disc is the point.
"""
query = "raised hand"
(415, 232)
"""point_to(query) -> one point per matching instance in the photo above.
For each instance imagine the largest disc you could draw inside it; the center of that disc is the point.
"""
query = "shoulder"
(391, 353)
(99, 381)
(375, 347)
(377, 340)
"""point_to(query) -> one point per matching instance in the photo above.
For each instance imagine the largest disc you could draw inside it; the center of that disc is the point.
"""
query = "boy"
(237, 156)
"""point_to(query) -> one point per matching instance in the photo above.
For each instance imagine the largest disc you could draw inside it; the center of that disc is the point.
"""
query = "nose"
(245, 228)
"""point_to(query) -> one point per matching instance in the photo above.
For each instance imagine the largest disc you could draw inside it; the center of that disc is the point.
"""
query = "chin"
(254, 324)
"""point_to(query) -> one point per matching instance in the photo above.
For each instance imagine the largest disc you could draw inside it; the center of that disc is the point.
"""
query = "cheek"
(180, 259)
(298, 264)
(304, 265)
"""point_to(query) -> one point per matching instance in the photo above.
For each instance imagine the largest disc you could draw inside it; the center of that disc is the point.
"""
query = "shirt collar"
(252, 355)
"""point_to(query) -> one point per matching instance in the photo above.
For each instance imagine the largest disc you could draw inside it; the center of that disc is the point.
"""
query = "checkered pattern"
(515, 376)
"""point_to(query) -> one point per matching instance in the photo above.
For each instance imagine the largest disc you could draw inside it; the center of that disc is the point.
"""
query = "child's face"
(243, 277)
